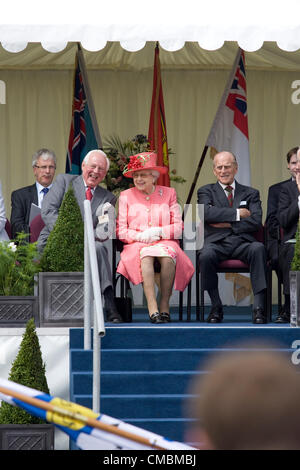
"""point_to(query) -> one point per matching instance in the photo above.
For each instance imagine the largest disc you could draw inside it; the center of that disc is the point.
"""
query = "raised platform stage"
(146, 369)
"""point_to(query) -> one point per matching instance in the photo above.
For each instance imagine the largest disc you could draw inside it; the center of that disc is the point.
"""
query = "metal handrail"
(92, 296)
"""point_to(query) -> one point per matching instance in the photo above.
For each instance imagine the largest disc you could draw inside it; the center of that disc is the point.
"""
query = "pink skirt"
(158, 251)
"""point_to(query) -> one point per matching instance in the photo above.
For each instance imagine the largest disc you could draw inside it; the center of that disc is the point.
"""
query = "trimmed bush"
(64, 250)
(28, 369)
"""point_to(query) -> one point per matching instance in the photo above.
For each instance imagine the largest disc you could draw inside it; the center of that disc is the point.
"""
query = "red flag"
(157, 134)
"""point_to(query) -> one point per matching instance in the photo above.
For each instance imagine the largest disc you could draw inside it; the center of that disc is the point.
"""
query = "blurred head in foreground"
(248, 400)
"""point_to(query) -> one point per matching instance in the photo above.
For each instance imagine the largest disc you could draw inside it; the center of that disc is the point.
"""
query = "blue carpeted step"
(146, 371)
(123, 382)
(150, 360)
(183, 337)
(139, 406)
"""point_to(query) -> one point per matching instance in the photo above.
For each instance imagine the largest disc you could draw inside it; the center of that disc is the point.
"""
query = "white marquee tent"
(198, 42)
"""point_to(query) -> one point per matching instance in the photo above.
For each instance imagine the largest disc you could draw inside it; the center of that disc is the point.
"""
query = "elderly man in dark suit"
(232, 213)
(288, 215)
(44, 165)
(94, 168)
(273, 226)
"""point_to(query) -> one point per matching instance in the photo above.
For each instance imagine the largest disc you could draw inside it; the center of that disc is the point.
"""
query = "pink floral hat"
(143, 161)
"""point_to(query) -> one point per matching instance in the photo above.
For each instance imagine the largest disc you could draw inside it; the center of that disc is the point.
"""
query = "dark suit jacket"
(217, 209)
(288, 210)
(272, 220)
(21, 200)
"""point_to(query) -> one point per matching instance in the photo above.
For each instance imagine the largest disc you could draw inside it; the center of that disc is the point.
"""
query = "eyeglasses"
(45, 167)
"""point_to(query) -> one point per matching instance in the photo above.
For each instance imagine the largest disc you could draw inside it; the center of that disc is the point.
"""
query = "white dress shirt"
(41, 195)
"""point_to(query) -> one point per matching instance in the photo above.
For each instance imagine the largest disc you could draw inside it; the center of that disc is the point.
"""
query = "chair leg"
(201, 297)
(127, 287)
(269, 294)
(197, 290)
(279, 293)
(189, 301)
(180, 305)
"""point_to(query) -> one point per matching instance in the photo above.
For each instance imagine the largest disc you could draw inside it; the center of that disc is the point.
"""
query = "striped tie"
(229, 190)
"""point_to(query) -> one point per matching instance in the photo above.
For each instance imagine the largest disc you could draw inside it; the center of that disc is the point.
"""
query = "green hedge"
(64, 250)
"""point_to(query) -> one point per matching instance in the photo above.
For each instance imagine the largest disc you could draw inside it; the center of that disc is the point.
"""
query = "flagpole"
(197, 174)
(87, 421)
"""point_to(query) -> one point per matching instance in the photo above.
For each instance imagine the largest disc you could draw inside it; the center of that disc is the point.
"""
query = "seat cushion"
(233, 264)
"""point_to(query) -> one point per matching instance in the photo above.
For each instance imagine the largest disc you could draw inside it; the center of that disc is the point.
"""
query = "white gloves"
(152, 234)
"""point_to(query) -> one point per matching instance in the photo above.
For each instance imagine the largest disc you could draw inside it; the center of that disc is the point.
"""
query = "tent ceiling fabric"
(114, 57)
(133, 23)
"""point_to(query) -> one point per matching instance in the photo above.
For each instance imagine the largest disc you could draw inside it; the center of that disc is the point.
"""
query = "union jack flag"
(237, 98)
(230, 127)
(84, 133)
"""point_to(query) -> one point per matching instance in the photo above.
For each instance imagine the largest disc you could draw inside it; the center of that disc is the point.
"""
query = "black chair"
(117, 246)
(273, 266)
(227, 266)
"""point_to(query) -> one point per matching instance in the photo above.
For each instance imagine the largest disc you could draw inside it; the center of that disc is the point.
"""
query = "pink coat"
(137, 212)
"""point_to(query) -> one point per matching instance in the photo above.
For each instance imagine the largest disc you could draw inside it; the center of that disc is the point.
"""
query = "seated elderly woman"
(149, 224)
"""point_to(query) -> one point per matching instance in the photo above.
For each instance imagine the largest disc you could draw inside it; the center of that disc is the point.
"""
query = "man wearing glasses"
(44, 165)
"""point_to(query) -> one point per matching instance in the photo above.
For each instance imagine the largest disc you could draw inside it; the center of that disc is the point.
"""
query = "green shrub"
(295, 266)
(27, 369)
(64, 250)
(18, 265)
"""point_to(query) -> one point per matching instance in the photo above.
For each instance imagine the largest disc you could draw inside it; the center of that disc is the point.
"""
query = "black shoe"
(113, 317)
(259, 316)
(165, 316)
(216, 315)
(283, 317)
(156, 318)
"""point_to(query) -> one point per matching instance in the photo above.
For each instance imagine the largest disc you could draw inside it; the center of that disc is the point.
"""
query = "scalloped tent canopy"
(114, 57)
(134, 23)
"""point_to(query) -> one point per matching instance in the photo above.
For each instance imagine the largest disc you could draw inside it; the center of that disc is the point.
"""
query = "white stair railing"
(92, 302)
